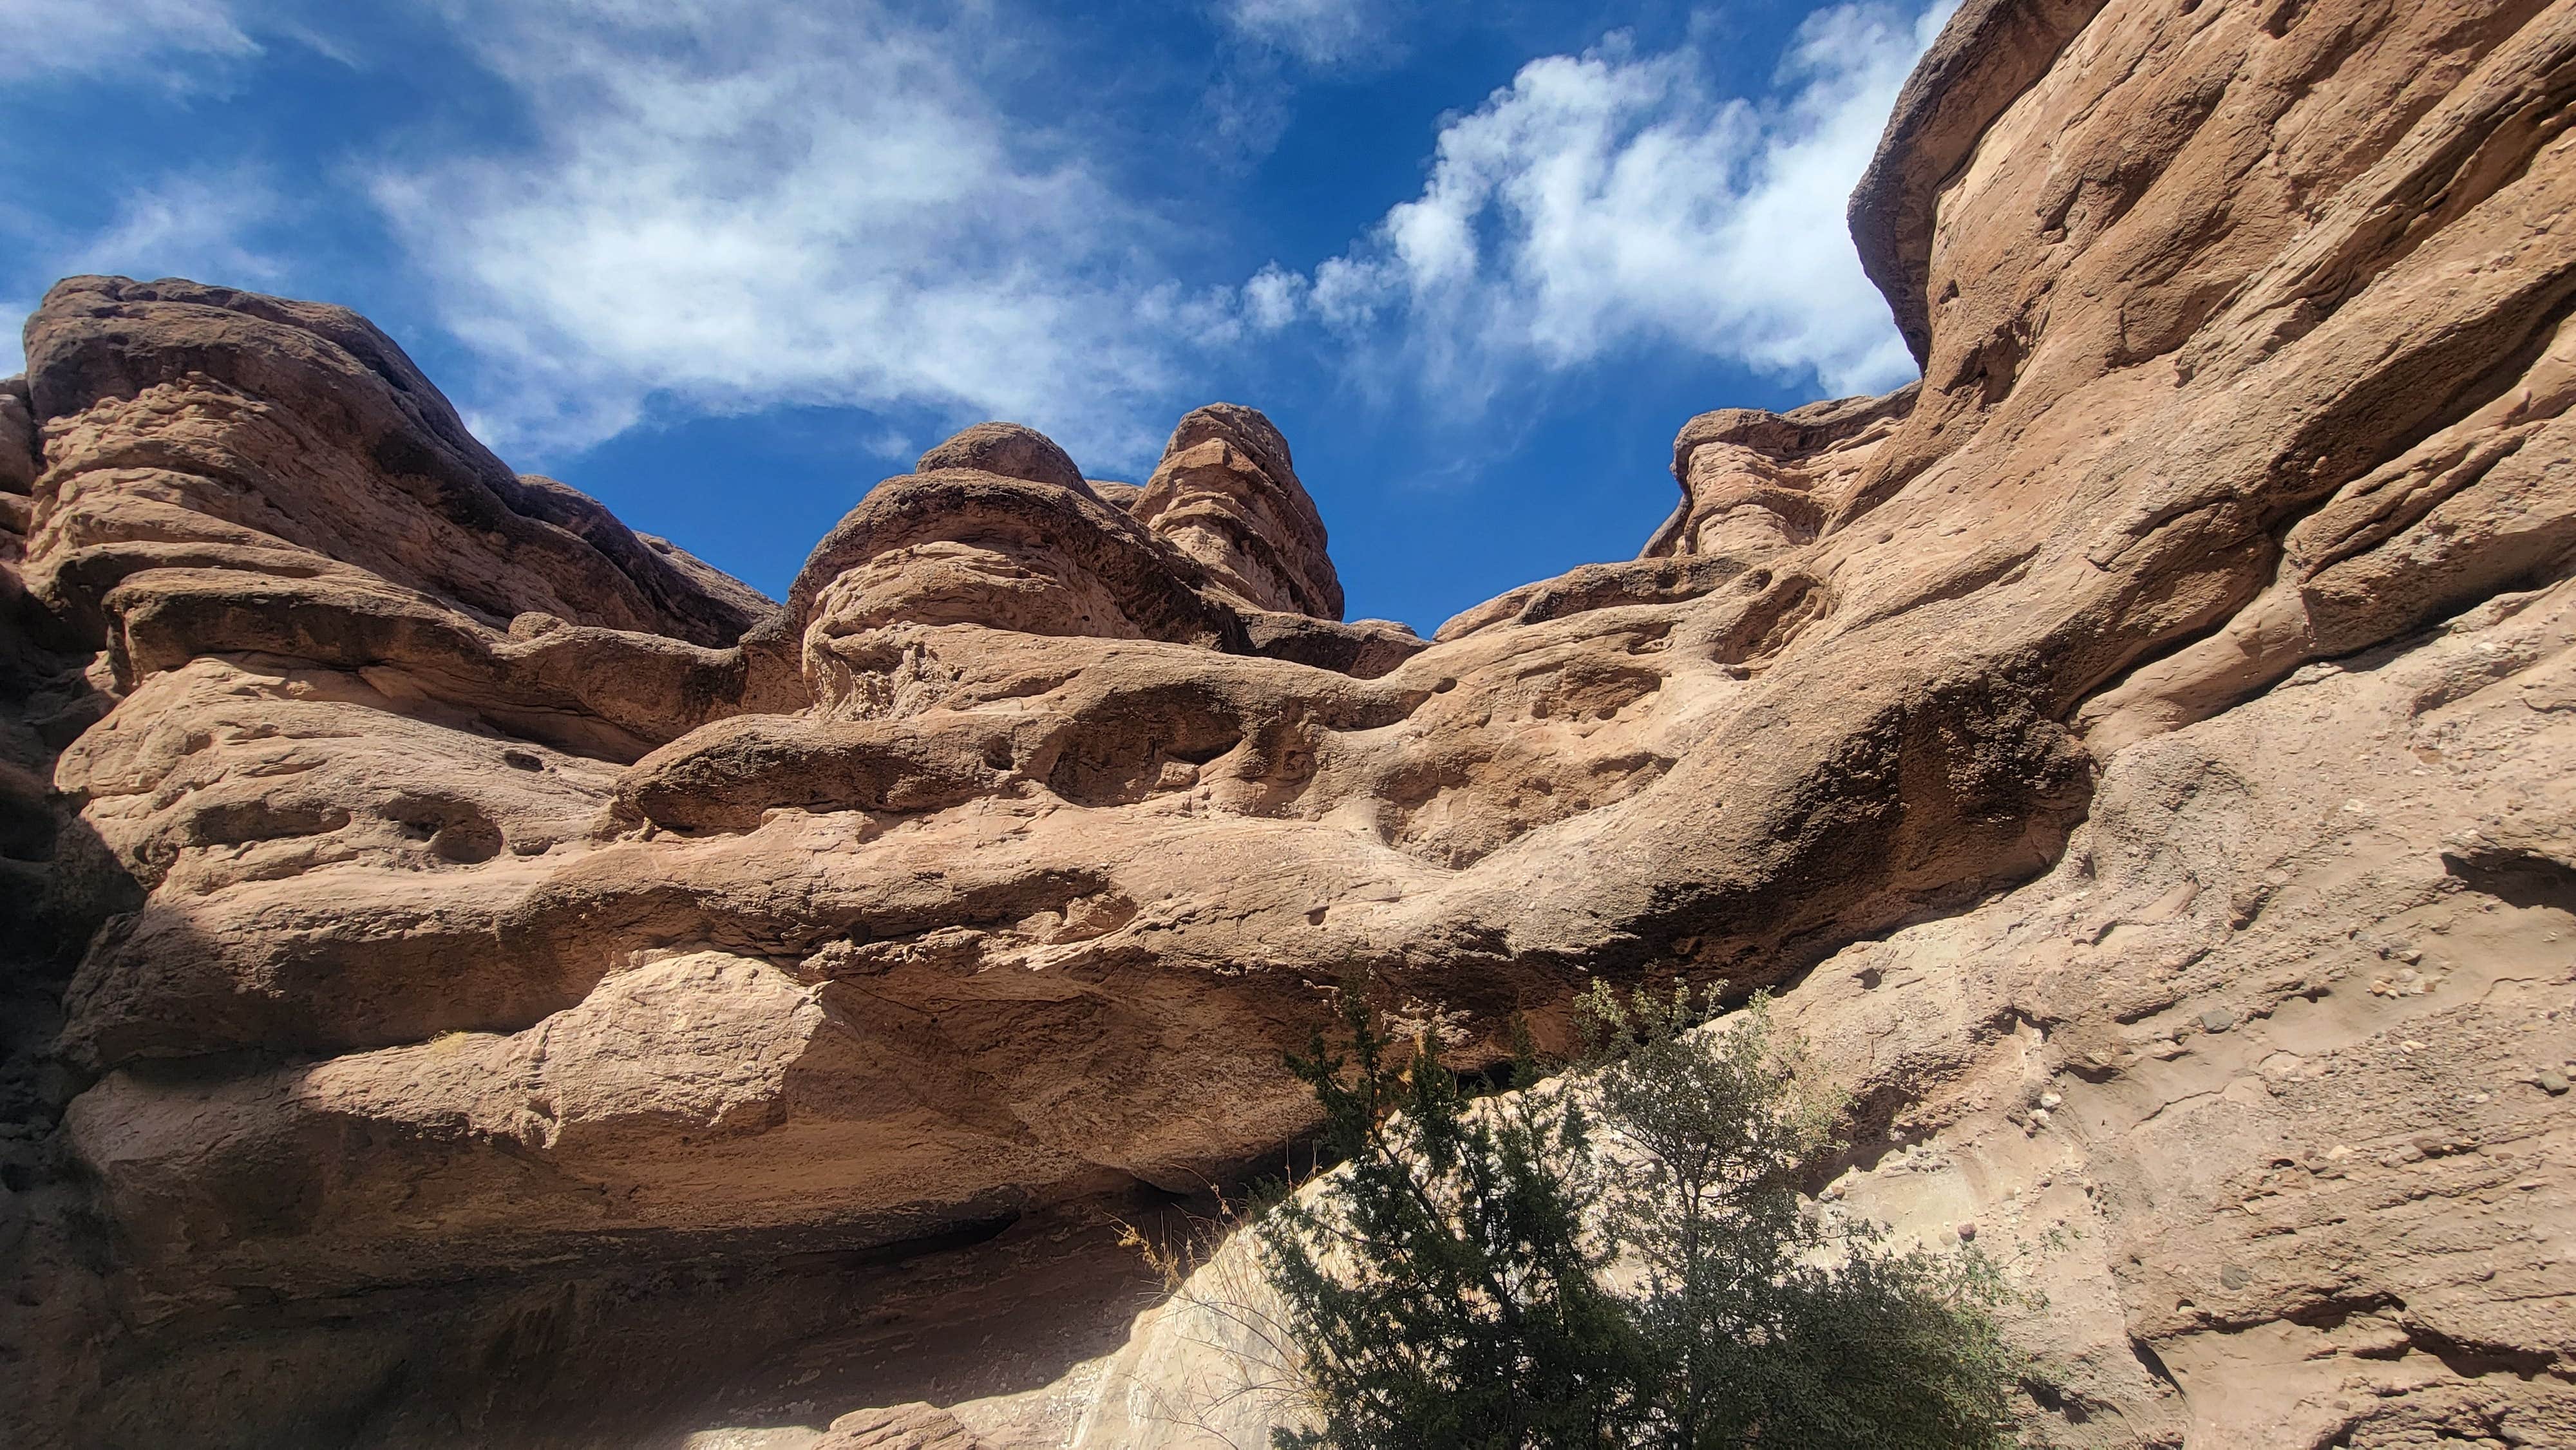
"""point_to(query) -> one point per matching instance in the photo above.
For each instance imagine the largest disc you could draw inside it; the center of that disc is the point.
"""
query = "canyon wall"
(478, 974)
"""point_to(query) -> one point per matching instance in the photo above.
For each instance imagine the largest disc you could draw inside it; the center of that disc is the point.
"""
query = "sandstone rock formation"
(482, 975)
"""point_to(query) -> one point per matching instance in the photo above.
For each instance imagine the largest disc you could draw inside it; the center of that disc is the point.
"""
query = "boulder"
(1007, 449)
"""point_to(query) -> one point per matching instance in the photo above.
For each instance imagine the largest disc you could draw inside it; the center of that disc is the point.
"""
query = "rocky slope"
(481, 975)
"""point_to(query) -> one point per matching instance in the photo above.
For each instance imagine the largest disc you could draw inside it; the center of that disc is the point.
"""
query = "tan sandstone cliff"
(480, 976)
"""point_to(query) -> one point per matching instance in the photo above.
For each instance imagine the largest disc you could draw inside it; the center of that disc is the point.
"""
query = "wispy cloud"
(720, 210)
(1318, 32)
(1273, 45)
(178, 225)
(700, 207)
(187, 225)
(725, 209)
(70, 38)
(1616, 199)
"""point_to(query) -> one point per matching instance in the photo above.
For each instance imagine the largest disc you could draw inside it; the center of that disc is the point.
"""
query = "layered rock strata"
(2135, 750)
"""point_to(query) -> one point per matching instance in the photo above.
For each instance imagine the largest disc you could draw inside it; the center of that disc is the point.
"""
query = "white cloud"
(1272, 297)
(704, 207)
(729, 208)
(1615, 199)
(179, 225)
(96, 37)
(186, 226)
(1319, 32)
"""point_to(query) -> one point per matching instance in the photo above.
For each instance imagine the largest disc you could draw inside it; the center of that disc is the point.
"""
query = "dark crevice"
(2476, 1361)
(2334, 1313)
(2153, 1362)
(2517, 878)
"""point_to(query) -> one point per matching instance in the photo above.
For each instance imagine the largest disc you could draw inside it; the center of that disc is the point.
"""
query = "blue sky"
(726, 263)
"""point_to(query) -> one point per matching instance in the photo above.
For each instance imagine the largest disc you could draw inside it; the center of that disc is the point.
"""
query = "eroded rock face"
(2263, 1085)
(482, 909)
(1227, 495)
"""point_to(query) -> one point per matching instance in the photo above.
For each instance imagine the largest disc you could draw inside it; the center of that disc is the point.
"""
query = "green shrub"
(1617, 1259)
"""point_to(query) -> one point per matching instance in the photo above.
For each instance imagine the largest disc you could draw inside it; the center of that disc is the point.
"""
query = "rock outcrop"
(484, 968)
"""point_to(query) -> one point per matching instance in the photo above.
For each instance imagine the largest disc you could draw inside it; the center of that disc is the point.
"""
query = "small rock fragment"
(2217, 1019)
(2552, 1082)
